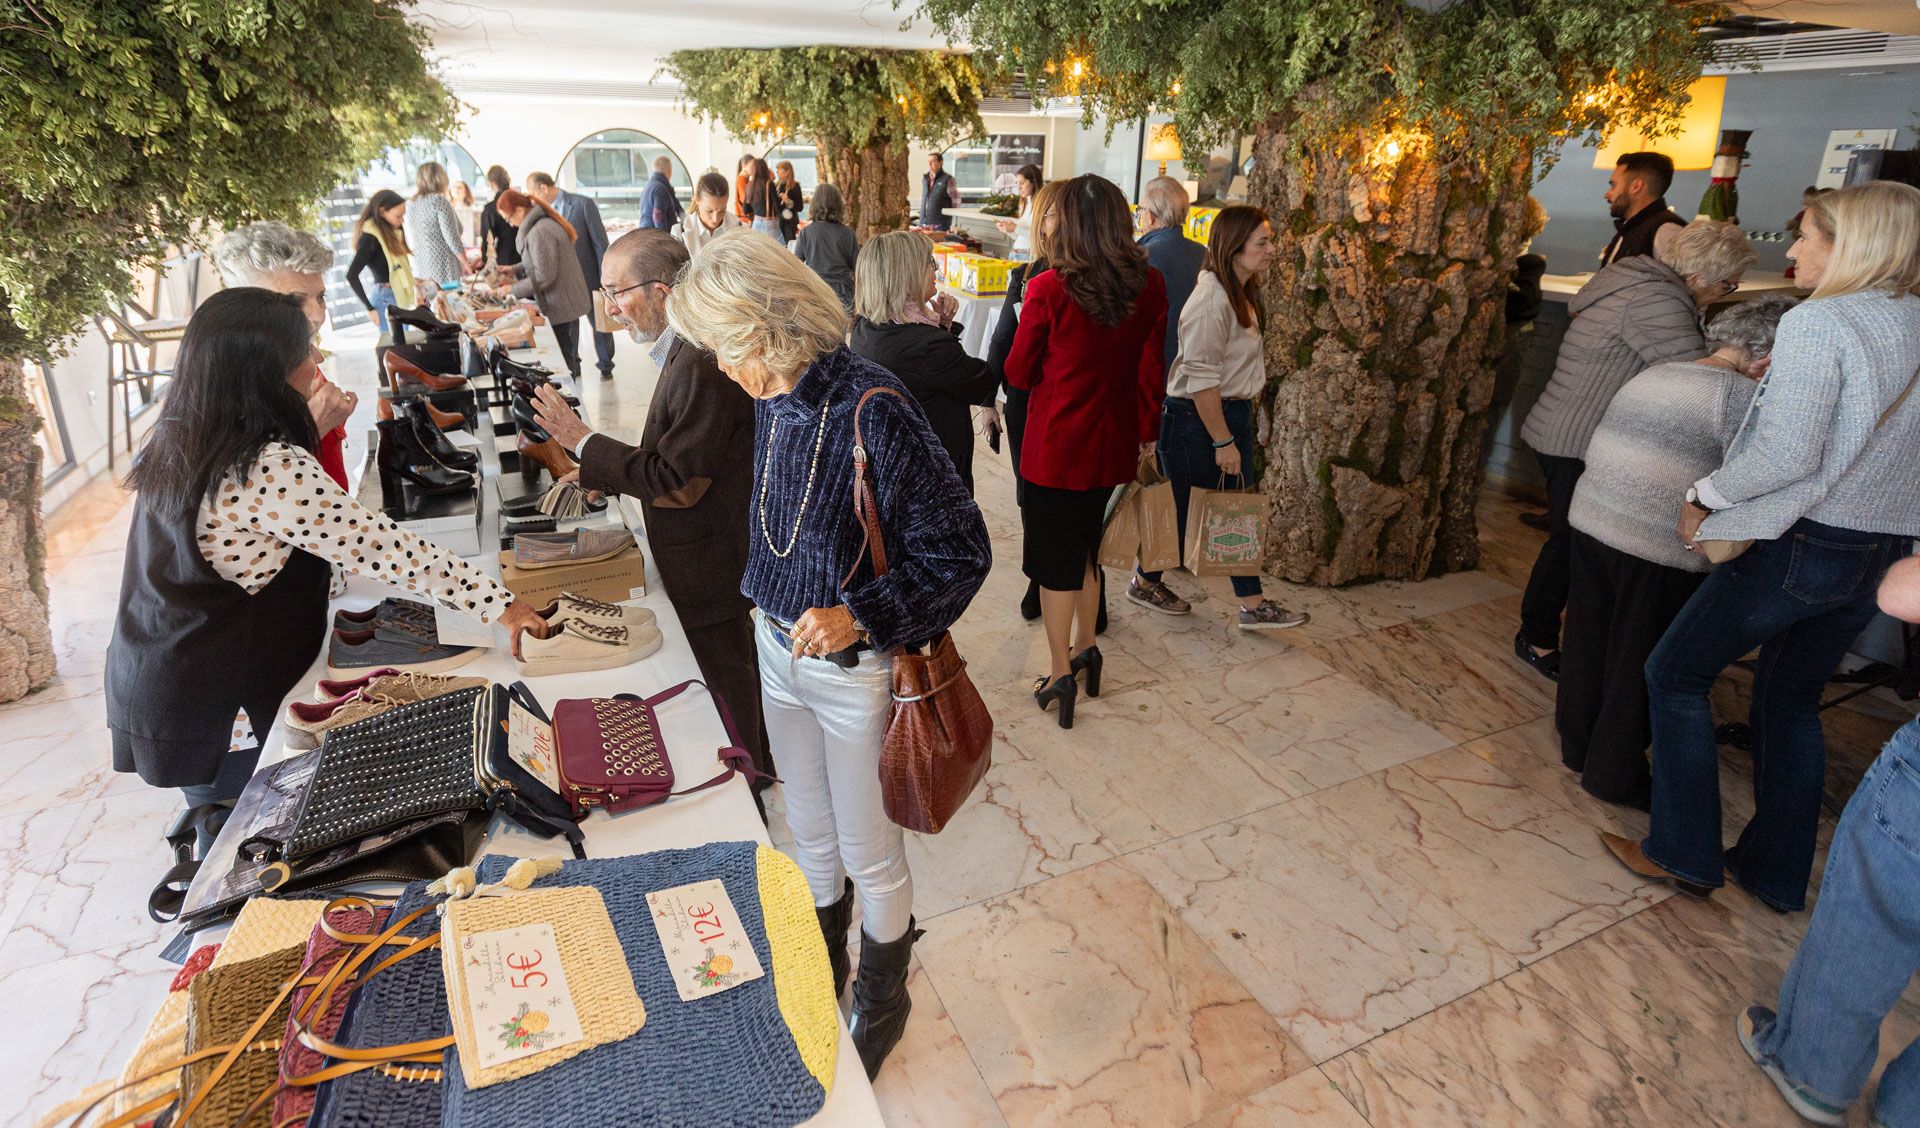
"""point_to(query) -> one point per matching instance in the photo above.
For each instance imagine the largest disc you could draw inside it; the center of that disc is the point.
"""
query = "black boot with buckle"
(880, 1000)
(835, 919)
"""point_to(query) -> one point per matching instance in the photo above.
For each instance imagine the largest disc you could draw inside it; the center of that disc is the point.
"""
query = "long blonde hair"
(888, 275)
(1875, 229)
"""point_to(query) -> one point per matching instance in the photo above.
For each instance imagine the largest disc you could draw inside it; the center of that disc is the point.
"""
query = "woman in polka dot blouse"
(237, 531)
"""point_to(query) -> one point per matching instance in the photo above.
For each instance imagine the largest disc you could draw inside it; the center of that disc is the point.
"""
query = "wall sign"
(1841, 144)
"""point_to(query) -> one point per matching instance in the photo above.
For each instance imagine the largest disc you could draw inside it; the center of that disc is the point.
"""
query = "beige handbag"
(1721, 551)
(603, 321)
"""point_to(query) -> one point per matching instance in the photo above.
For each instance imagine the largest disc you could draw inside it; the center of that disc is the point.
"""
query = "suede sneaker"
(580, 645)
(352, 652)
(1155, 595)
(1754, 1023)
(1270, 616)
(571, 606)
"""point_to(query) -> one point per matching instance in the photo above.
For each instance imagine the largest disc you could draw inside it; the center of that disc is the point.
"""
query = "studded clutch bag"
(612, 756)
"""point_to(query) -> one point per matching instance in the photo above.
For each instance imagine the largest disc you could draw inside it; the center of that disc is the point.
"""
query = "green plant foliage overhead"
(1482, 80)
(131, 126)
(841, 96)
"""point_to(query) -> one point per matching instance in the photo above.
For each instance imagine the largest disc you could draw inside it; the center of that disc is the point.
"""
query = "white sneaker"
(579, 646)
(570, 606)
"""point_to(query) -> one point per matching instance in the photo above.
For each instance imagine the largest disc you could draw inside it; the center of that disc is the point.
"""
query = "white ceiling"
(622, 40)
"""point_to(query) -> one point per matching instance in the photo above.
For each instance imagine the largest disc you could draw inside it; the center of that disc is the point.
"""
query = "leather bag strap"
(865, 506)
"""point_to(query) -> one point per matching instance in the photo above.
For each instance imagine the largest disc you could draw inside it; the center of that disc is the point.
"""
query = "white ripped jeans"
(824, 725)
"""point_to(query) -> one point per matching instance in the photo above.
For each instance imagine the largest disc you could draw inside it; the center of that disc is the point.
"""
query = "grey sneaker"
(581, 546)
(356, 652)
(1157, 596)
(1756, 1021)
(1270, 616)
(396, 620)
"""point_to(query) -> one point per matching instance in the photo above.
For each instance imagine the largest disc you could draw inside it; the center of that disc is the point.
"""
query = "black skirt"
(1061, 533)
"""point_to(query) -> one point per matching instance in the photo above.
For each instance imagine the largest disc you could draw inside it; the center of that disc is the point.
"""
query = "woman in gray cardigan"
(1635, 313)
(1821, 479)
(548, 270)
(1630, 576)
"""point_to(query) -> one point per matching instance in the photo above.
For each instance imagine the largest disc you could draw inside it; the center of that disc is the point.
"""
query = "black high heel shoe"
(434, 441)
(1063, 690)
(523, 418)
(402, 459)
(1090, 661)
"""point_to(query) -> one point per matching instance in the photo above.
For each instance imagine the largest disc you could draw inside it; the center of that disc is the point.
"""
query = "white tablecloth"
(976, 317)
(693, 733)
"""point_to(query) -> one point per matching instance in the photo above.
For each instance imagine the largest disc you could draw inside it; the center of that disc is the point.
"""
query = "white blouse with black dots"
(285, 501)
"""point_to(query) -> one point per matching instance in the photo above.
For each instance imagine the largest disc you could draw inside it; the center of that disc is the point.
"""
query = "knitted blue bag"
(405, 1003)
(758, 1055)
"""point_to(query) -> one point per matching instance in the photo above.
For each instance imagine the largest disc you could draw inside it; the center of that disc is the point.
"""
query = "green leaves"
(129, 127)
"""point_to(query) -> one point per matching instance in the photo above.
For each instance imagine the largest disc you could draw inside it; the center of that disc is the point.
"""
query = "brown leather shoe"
(399, 369)
(549, 454)
(1629, 854)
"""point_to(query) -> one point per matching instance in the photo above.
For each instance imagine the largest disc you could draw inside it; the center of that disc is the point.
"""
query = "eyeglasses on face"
(638, 285)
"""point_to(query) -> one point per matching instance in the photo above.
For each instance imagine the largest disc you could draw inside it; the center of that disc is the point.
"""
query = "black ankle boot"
(835, 919)
(401, 458)
(880, 1000)
(434, 441)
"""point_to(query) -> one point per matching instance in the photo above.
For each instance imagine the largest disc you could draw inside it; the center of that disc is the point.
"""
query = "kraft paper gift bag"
(603, 321)
(1120, 542)
(1226, 532)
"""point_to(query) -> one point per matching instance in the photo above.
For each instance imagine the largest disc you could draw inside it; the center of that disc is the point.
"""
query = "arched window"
(612, 167)
(805, 159)
(396, 169)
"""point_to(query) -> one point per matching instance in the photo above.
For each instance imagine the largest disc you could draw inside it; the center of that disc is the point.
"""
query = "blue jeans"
(383, 301)
(1802, 599)
(1186, 459)
(1862, 947)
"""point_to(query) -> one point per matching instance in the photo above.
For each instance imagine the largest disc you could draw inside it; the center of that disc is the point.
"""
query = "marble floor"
(1335, 877)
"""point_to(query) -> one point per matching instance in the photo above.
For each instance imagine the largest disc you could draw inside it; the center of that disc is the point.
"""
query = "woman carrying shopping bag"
(1206, 422)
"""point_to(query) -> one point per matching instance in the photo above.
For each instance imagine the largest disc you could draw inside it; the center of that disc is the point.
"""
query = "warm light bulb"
(763, 120)
(901, 98)
(1392, 150)
(1176, 86)
(1078, 67)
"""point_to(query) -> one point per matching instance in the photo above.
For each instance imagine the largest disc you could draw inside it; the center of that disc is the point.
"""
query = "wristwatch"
(1693, 499)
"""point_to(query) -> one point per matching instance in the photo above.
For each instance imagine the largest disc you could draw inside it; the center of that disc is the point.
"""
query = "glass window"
(987, 169)
(804, 158)
(612, 167)
(55, 458)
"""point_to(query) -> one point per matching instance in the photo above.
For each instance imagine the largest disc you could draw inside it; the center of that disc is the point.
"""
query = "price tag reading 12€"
(707, 948)
(517, 993)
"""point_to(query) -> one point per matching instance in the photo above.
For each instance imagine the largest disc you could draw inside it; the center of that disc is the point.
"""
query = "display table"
(690, 724)
(1754, 284)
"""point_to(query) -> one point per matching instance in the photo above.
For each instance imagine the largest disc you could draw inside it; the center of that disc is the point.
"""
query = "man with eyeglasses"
(692, 474)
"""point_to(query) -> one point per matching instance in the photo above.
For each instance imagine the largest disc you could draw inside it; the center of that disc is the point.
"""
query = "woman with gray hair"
(433, 228)
(904, 325)
(1667, 427)
(828, 622)
(1635, 313)
(827, 244)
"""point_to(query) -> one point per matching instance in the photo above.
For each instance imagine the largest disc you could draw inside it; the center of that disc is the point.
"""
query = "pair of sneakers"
(1267, 615)
(590, 635)
(1803, 1099)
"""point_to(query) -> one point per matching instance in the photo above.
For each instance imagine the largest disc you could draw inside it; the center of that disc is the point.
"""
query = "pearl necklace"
(819, 440)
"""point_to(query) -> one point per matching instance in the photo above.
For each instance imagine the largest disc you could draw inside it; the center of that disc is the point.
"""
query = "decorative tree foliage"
(861, 106)
(1394, 146)
(131, 127)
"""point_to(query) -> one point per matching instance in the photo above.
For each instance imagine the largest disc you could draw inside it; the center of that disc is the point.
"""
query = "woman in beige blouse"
(1206, 422)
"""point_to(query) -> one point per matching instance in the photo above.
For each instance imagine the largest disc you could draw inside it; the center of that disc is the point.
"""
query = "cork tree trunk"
(26, 642)
(1385, 317)
(873, 179)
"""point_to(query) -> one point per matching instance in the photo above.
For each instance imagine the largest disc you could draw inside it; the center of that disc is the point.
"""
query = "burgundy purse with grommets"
(612, 756)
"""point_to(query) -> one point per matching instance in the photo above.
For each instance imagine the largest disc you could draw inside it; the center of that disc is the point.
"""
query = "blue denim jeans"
(1802, 599)
(1862, 947)
(1186, 459)
(382, 301)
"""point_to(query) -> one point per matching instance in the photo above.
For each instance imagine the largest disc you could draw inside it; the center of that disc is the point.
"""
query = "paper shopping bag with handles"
(1159, 527)
(1226, 532)
(603, 321)
(1120, 542)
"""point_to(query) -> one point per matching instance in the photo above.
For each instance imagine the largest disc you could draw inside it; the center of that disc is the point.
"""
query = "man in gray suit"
(590, 244)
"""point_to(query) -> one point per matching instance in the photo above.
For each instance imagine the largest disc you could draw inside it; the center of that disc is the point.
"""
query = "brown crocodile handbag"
(939, 737)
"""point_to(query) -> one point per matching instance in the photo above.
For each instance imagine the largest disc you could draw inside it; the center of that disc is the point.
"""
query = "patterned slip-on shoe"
(1270, 616)
(581, 546)
(579, 646)
(351, 652)
(571, 606)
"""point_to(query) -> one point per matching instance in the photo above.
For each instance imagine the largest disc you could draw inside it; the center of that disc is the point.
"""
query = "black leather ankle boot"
(434, 441)
(880, 1000)
(401, 459)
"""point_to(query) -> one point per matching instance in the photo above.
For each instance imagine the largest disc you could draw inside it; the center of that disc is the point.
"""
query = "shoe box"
(614, 579)
(451, 521)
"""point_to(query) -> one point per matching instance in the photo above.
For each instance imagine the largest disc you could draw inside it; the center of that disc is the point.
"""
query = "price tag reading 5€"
(707, 948)
(517, 993)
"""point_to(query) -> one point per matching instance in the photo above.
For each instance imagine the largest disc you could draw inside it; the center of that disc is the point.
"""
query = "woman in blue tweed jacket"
(826, 621)
(1821, 479)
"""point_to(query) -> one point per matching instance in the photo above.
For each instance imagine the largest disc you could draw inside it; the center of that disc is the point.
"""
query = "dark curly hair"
(1092, 248)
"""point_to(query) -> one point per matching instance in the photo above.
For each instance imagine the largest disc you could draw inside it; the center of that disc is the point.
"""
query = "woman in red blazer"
(1090, 354)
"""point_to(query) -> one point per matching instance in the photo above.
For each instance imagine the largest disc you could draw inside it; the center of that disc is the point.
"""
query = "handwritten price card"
(706, 946)
(517, 993)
